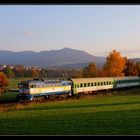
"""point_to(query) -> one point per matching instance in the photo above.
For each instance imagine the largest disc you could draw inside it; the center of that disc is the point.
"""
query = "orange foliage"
(3, 82)
(138, 68)
(130, 69)
(90, 70)
(115, 64)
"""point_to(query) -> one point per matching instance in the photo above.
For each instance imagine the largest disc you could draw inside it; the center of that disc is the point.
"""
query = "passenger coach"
(86, 85)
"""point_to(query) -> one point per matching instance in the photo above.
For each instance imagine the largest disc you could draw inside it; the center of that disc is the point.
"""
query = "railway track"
(14, 104)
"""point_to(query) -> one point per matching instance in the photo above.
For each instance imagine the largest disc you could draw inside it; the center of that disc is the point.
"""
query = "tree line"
(115, 65)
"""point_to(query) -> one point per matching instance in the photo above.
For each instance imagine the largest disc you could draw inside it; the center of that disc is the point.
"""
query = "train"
(29, 90)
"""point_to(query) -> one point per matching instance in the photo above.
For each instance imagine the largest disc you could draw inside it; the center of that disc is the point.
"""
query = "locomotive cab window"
(20, 86)
(32, 86)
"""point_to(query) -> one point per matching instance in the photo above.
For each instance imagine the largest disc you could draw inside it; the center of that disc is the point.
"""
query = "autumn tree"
(76, 74)
(115, 64)
(90, 71)
(130, 69)
(101, 73)
(19, 71)
(34, 72)
(138, 68)
(8, 72)
(3, 82)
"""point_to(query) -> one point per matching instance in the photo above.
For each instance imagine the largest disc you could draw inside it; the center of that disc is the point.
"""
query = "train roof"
(88, 80)
(36, 81)
(102, 79)
(32, 82)
(126, 78)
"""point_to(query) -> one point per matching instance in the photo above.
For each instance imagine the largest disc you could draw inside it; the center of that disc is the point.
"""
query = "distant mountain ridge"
(65, 57)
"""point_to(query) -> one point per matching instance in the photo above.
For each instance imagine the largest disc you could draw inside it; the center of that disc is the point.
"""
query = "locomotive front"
(24, 91)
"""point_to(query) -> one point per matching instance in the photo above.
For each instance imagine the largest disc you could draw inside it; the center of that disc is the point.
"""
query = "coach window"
(91, 84)
(84, 84)
(88, 84)
(81, 85)
(95, 84)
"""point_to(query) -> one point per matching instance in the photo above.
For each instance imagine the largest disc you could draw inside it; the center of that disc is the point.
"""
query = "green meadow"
(13, 83)
(117, 113)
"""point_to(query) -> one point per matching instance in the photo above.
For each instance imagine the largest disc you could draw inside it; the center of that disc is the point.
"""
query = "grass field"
(91, 115)
(13, 83)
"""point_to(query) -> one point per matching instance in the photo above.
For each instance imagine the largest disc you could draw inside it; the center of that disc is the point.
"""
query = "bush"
(3, 83)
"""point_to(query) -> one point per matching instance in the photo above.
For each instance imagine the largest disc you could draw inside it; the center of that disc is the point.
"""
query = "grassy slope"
(96, 115)
(13, 83)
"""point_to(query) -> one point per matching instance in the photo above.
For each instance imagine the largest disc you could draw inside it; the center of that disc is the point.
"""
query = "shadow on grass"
(83, 106)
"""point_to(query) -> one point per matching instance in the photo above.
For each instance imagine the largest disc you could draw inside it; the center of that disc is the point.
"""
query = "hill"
(65, 57)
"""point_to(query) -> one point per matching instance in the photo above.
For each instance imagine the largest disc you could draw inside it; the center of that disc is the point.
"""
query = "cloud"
(123, 52)
(131, 51)
(29, 33)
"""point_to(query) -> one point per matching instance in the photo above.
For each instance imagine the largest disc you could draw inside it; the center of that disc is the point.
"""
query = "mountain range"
(65, 57)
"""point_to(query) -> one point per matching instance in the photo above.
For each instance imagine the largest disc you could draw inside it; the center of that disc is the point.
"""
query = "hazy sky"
(96, 29)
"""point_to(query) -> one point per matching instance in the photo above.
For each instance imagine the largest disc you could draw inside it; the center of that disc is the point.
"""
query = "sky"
(96, 29)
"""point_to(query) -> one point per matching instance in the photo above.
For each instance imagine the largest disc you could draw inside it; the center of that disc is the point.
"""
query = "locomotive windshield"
(23, 85)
